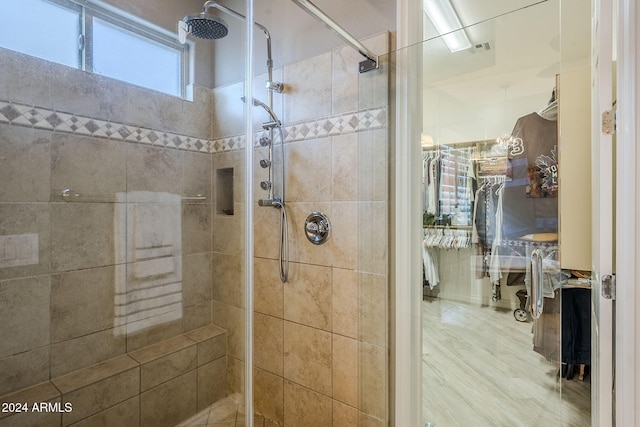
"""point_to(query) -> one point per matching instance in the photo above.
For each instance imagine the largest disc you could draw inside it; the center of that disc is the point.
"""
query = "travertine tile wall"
(321, 339)
(70, 292)
(321, 350)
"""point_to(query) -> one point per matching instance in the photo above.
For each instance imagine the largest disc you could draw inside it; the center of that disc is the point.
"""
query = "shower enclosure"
(144, 275)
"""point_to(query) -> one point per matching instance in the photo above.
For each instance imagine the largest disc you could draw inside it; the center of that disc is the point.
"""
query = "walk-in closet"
(505, 178)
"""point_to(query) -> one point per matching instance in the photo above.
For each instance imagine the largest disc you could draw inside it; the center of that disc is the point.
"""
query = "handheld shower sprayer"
(274, 119)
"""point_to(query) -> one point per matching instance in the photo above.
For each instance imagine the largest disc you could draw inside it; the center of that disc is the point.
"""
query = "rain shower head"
(205, 26)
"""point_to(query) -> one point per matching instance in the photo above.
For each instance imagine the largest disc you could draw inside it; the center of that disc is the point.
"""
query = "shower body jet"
(268, 141)
(264, 141)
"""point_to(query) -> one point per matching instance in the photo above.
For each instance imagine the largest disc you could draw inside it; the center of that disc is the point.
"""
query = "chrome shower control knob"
(265, 185)
(317, 228)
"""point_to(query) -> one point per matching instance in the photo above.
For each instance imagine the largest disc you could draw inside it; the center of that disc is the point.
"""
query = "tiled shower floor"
(225, 413)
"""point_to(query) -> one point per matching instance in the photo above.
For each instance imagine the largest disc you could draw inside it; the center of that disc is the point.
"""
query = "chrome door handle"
(537, 292)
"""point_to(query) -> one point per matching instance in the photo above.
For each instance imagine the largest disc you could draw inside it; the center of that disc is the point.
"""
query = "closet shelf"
(451, 227)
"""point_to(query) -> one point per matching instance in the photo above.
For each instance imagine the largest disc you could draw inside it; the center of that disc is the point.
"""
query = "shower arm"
(371, 61)
(212, 4)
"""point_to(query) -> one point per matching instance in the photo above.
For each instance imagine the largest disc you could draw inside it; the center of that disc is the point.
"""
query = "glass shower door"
(504, 342)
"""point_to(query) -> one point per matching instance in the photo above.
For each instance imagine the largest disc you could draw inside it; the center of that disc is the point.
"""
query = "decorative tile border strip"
(47, 119)
(365, 120)
(338, 125)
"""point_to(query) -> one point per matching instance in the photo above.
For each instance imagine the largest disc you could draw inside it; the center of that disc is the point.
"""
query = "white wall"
(295, 34)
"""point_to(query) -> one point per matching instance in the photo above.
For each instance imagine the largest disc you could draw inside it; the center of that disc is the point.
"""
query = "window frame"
(90, 9)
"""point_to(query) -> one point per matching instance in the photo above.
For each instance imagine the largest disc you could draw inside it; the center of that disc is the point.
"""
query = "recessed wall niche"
(224, 191)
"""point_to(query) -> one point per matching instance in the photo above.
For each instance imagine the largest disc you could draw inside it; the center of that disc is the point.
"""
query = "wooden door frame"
(405, 219)
(627, 317)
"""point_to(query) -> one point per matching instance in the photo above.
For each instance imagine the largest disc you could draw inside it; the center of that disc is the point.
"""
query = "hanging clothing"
(546, 331)
(530, 196)
(576, 326)
(430, 263)
(430, 165)
(425, 182)
(469, 191)
(494, 268)
(487, 223)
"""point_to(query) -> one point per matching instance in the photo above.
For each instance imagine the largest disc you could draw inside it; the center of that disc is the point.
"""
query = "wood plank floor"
(479, 369)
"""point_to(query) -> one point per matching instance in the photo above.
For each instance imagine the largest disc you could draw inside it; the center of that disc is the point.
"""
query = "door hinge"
(609, 122)
(609, 286)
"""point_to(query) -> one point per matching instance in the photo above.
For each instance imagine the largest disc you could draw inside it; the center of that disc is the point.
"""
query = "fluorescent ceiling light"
(447, 23)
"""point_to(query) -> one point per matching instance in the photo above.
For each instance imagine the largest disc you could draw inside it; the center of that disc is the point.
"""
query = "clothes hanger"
(550, 112)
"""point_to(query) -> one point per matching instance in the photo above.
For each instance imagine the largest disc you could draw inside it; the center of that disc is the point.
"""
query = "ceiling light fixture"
(447, 23)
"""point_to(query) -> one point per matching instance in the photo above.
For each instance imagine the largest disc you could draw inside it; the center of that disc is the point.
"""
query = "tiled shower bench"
(159, 385)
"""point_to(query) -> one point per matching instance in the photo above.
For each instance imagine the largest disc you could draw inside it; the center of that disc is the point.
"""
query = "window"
(90, 37)
(39, 28)
(144, 62)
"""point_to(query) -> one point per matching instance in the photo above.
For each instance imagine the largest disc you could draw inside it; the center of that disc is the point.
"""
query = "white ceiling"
(479, 93)
(521, 33)
(522, 42)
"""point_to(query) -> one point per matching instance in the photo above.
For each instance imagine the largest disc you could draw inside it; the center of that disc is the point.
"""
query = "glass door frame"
(248, 219)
